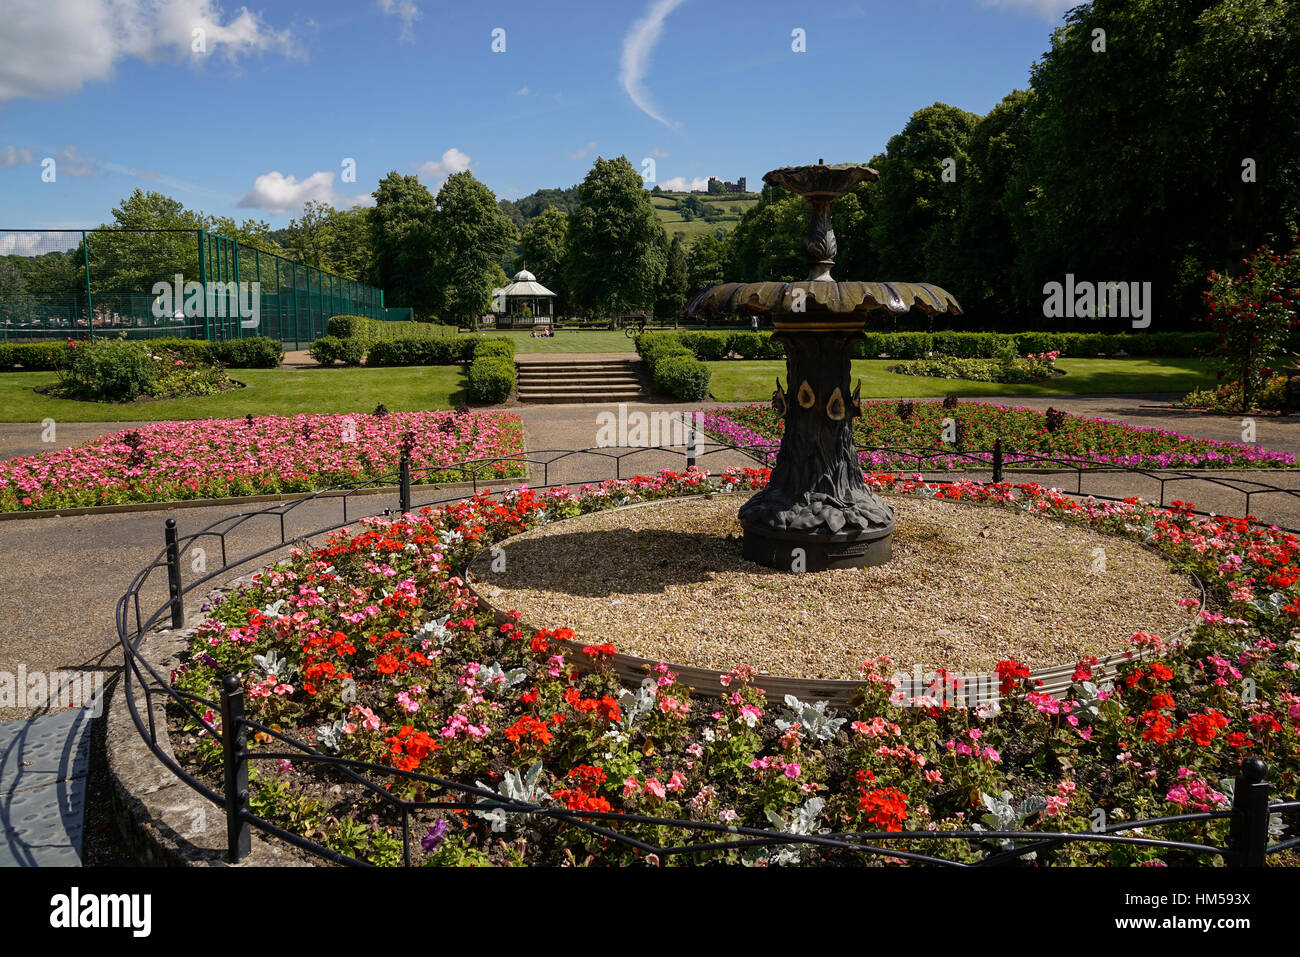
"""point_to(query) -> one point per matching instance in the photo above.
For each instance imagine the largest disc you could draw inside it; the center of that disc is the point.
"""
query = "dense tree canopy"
(471, 235)
(402, 233)
(544, 246)
(616, 260)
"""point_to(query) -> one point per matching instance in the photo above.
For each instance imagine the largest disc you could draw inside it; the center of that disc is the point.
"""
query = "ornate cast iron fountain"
(816, 499)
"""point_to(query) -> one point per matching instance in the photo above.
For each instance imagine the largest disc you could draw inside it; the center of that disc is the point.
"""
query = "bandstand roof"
(525, 284)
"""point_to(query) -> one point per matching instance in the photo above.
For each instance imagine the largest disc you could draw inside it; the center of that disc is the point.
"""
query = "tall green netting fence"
(83, 284)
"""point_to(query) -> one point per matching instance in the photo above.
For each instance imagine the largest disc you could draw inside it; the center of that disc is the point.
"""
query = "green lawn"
(567, 340)
(738, 381)
(268, 392)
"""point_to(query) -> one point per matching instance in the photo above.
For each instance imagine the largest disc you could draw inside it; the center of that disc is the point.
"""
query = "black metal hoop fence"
(1247, 844)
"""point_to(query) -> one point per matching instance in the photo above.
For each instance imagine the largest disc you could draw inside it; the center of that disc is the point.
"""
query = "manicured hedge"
(437, 350)
(491, 378)
(376, 330)
(330, 349)
(33, 356)
(500, 346)
(710, 346)
(674, 368)
(707, 346)
(259, 352)
(683, 377)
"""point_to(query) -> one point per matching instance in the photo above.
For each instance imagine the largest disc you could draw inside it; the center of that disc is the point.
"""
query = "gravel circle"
(968, 585)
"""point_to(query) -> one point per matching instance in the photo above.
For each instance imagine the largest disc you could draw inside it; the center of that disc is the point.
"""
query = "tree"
(852, 216)
(1135, 167)
(670, 298)
(544, 246)
(984, 253)
(918, 195)
(310, 235)
(767, 243)
(402, 229)
(13, 282)
(704, 263)
(56, 274)
(615, 258)
(472, 234)
(131, 261)
(333, 240)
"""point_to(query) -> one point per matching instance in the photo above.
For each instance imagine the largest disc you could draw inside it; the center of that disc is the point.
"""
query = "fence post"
(405, 481)
(997, 460)
(90, 302)
(234, 740)
(693, 439)
(174, 573)
(1248, 834)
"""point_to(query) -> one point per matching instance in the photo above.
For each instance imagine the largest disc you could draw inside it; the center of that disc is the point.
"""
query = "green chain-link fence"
(82, 284)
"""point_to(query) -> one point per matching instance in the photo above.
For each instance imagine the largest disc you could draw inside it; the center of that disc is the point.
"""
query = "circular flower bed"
(369, 648)
(1067, 439)
(257, 455)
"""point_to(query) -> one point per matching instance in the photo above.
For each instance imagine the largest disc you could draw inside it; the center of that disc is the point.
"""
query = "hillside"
(691, 214)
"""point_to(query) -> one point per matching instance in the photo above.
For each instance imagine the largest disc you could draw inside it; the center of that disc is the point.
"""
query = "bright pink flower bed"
(269, 454)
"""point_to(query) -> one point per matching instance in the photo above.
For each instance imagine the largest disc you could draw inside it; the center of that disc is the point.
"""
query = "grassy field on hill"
(731, 205)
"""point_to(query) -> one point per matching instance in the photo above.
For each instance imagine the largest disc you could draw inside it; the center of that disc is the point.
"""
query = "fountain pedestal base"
(777, 549)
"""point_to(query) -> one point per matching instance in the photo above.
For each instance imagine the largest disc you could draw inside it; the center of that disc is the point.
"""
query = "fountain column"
(816, 511)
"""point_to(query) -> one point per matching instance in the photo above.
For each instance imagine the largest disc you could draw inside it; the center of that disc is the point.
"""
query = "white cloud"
(12, 156)
(638, 44)
(581, 151)
(522, 91)
(48, 49)
(679, 184)
(659, 154)
(25, 244)
(70, 162)
(404, 10)
(274, 192)
(1050, 9)
(453, 161)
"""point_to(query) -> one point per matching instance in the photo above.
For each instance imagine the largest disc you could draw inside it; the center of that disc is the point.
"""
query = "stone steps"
(579, 380)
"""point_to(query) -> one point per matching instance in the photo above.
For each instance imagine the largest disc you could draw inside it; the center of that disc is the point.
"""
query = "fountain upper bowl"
(820, 180)
(810, 298)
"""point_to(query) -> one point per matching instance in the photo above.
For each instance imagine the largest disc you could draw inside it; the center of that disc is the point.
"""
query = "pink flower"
(792, 771)
(656, 788)
(630, 786)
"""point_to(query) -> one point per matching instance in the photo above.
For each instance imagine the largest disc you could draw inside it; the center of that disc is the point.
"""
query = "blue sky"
(264, 115)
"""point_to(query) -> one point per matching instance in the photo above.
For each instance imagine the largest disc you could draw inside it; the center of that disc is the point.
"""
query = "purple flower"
(435, 836)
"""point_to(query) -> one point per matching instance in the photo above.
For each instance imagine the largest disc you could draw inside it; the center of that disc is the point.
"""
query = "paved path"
(44, 762)
(60, 578)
